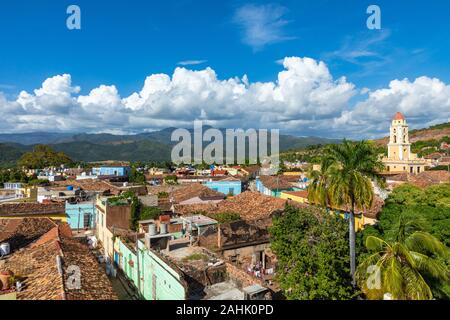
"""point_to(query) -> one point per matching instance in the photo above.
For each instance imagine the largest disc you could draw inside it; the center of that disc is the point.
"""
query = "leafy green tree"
(226, 217)
(346, 175)
(407, 261)
(136, 175)
(135, 214)
(171, 179)
(429, 205)
(312, 253)
(150, 213)
(43, 156)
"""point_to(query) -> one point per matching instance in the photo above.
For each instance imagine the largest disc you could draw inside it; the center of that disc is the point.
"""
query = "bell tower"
(399, 147)
(400, 159)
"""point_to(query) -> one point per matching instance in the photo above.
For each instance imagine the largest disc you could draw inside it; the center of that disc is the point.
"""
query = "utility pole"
(79, 212)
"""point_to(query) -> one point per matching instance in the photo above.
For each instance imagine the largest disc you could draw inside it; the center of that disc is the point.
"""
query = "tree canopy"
(430, 206)
(345, 178)
(407, 264)
(43, 156)
(312, 251)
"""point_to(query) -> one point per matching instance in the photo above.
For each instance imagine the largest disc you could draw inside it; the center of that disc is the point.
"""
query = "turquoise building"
(157, 279)
(81, 215)
(227, 186)
(273, 185)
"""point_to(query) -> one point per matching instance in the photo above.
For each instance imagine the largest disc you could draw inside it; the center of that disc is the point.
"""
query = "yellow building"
(292, 173)
(112, 217)
(297, 196)
(302, 197)
(400, 159)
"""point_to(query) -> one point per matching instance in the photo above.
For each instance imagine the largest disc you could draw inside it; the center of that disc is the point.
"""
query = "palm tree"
(345, 179)
(404, 262)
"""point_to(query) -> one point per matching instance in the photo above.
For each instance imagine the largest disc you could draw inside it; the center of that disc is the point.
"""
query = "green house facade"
(157, 279)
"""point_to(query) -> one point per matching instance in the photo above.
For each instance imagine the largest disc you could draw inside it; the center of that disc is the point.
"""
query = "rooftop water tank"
(163, 228)
(152, 229)
(5, 249)
(70, 188)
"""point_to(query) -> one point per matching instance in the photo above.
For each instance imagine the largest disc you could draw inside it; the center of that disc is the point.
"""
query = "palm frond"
(424, 242)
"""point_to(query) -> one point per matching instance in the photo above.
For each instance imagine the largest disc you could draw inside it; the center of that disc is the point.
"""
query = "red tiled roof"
(249, 205)
(434, 155)
(21, 232)
(399, 116)
(195, 190)
(423, 179)
(300, 193)
(91, 185)
(276, 182)
(31, 208)
(43, 277)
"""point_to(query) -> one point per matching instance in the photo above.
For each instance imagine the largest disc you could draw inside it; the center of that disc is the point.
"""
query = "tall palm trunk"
(352, 238)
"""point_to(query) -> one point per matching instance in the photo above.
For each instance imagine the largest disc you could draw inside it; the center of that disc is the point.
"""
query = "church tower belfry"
(400, 159)
(399, 147)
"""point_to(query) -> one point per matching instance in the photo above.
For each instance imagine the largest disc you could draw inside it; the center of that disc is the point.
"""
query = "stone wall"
(239, 276)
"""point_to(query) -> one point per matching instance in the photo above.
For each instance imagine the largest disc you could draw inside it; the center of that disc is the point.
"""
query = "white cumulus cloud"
(304, 98)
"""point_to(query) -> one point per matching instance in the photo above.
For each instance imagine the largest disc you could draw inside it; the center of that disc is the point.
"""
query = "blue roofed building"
(228, 186)
(115, 171)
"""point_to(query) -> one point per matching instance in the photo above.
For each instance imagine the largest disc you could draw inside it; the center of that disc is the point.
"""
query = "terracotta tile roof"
(375, 210)
(249, 205)
(372, 213)
(95, 285)
(44, 278)
(31, 208)
(164, 188)
(434, 155)
(195, 190)
(252, 169)
(423, 179)
(90, 185)
(429, 178)
(21, 232)
(276, 182)
(402, 177)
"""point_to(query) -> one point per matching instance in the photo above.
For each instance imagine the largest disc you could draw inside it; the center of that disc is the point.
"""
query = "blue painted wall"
(226, 187)
(274, 193)
(111, 171)
(76, 215)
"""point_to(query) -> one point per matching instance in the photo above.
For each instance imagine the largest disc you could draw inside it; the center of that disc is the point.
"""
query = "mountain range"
(148, 146)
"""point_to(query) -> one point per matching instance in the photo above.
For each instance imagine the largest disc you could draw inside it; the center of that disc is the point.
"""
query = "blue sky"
(121, 43)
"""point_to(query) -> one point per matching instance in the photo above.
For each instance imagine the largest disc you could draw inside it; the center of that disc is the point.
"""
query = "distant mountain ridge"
(147, 146)
(435, 132)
